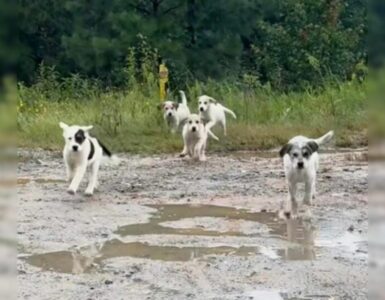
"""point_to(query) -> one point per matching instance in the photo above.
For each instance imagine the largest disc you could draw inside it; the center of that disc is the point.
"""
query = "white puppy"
(301, 161)
(195, 138)
(213, 113)
(82, 150)
(175, 114)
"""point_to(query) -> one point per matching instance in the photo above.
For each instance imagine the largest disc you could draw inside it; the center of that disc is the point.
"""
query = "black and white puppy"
(80, 151)
(301, 162)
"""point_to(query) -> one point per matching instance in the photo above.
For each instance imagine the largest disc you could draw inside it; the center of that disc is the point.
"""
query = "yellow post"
(163, 81)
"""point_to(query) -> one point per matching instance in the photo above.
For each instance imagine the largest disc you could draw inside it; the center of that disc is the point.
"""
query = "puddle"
(87, 259)
(294, 230)
(299, 236)
(24, 181)
(348, 241)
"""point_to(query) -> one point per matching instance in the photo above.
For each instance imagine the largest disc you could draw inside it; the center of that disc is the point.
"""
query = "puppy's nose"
(193, 129)
(300, 165)
(201, 109)
(75, 148)
(169, 114)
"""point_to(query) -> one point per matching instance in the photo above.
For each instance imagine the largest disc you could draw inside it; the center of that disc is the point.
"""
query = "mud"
(161, 227)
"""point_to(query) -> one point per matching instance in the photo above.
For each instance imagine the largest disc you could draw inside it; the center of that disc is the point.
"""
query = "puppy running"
(213, 113)
(175, 114)
(301, 161)
(82, 150)
(195, 138)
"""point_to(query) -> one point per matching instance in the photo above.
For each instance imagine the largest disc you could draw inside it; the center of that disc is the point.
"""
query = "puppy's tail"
(230, 112)
(325, 138)
(111, 158)
(183, 96)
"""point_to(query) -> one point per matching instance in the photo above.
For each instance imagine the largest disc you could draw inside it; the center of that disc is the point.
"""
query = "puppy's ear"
(212, 100)
(313, 146)
(285, 149)
(175, 105)
(87, 128)
(160, 106)
(63, 125)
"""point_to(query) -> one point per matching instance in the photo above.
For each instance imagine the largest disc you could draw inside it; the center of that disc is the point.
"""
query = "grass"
(129, 120)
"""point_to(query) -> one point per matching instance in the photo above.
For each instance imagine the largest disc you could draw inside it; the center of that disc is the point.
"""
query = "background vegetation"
(283, 66)
(128, 120)
(288, 44)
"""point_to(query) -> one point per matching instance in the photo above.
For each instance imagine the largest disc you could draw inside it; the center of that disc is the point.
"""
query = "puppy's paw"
(287, 214)
(88, 193)
(203, 158)
(71, 191)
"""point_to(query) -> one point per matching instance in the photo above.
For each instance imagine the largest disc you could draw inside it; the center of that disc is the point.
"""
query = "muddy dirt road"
(165, 228)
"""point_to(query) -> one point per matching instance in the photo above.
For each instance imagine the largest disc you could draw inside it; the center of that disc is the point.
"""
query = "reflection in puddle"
(82, 261)
(298, 234)
(302, 235)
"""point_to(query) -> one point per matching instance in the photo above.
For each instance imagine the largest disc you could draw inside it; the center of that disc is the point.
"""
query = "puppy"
(195, 138)
(175, 114)
(82, 150)
(301, 161)
(213, 113)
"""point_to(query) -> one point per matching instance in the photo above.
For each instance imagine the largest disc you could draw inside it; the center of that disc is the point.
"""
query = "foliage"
(286, 44)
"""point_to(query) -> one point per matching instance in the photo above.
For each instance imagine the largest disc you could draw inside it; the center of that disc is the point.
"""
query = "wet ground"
(161, 227)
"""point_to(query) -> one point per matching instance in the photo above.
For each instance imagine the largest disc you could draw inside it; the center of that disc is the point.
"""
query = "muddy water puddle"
(91, 258)
(297, 230)
(298, 234)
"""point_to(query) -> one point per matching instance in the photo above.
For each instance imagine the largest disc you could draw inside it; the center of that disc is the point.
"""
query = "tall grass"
(128, 120)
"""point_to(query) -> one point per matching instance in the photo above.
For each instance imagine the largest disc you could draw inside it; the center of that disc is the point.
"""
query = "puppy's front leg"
(199, 152)
(309, 186)
(184, 151)
(93, 179)
(313, 189)
(70, 172)
(185, 147)
(293, 199)
(79, 174)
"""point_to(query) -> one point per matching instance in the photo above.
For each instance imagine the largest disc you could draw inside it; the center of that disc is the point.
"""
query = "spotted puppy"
(82, 150)
(175, 114)
(195, 138)
(212, 113)
(301, 161)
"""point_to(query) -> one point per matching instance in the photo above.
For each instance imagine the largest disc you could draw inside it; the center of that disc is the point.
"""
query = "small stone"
(108, 282)
(351, 228)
